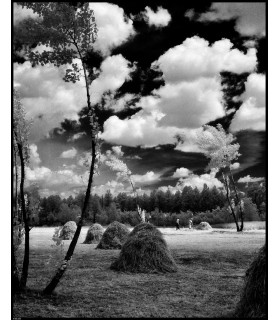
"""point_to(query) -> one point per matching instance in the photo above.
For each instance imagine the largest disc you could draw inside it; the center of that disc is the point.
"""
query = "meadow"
(211, 269)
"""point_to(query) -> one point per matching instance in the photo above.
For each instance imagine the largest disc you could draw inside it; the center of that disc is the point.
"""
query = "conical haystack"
(204, 226)
(68, 230)
(145, 251)
(94, 234)
(253, 302)
(114, 237)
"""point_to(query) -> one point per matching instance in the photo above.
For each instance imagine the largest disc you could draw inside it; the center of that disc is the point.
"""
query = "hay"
(94, 233)
(147, 227)
(114, 237)
(204, 226)
(145, 251)
(68, 230)
(253, 302)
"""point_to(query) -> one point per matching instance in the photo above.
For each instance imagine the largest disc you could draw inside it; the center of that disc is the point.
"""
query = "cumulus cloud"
(34, 159)
(69, 154)
(250, 16)
(46, 97)
(114, 28)
(248, 179)
(146, 178)
(190, 104)
(140, 129)
(181, 173)
(195, 58)
(198, 181)
(114, 71)
(190, 14)
(159, 18)
(115, 187)
(235, 165)
(37, 174)
(252, 112)
(194, 181)
(76, 136)
(48, 179)
(192, 95)
(49, 100)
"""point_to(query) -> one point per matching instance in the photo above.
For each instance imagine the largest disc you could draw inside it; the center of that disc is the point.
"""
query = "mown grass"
(211, 268)
(248, 225)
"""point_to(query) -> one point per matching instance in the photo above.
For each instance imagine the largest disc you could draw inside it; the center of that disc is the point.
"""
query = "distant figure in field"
(177, 224)
(190, 223)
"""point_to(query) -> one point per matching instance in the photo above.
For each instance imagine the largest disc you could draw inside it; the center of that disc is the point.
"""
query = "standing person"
(177, 224)
(190, 223)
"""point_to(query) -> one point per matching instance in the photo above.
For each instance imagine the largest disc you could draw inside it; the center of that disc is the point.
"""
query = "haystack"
(94, 233)
(145, 251)
(147, 227)
(204, 226)
(114, 237)
(253, 302)
(68, 230)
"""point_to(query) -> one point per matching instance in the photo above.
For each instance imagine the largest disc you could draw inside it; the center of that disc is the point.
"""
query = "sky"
(166, 69)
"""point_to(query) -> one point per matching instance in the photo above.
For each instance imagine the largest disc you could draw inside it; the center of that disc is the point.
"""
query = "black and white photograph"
(139, 159)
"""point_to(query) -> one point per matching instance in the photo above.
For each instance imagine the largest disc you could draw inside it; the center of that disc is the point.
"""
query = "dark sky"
(166, 68)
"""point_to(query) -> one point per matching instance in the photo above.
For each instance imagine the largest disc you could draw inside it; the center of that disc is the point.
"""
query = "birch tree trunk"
(229, 202)
(61, 270)
(25, 266)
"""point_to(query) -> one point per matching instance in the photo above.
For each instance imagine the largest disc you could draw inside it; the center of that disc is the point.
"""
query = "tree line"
(161, 207)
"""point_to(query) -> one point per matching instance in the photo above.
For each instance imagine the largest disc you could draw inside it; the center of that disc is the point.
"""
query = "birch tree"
(69, 33)
(21, 128)
(113, 161)
(218, 146)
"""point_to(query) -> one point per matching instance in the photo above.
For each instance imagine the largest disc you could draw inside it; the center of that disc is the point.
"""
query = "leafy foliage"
(217, 145)
(67, 31)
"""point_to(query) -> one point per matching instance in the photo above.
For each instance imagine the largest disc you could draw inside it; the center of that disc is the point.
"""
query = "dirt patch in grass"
(210, 277)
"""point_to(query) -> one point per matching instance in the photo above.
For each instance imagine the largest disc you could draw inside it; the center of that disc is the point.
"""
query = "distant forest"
(162, 208)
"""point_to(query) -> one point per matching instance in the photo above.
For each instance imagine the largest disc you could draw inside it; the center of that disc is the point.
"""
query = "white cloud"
(198, 181)
(148, 177)
(250, 43)
(49, 100)
(48, 179)
(235, 165)
(181, 173)
(136, 157)
(248, 179)
(190, 104)
(192, 95)
(195, 58)
(114, 28)
(143, 130)
(159, 18)
(115, 187)
(76, 136)
(251, 17)
(115, 70)
(140, 129)
(37, 174)
(69, 154)
(252, 113)
(46, 97)
(190, 14)
(34, 159)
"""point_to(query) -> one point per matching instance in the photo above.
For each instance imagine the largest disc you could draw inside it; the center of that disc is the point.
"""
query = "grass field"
(208, 283)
